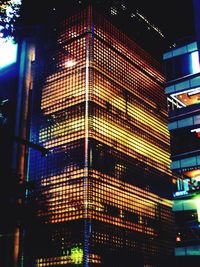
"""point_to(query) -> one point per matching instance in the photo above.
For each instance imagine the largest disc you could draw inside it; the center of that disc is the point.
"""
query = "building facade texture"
(104, 187)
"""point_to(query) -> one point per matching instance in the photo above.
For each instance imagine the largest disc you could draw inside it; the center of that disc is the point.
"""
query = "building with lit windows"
(183, 93)
(104, 187)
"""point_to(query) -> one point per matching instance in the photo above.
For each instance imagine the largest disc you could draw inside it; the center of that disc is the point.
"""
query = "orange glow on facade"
(106, 181)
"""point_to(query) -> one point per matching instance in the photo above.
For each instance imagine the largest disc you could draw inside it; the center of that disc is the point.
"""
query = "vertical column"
(21, 131)
(87, 126)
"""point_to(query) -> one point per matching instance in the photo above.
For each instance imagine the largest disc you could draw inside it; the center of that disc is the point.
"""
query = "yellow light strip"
(62, 260)
(62, 129)
(131, 140)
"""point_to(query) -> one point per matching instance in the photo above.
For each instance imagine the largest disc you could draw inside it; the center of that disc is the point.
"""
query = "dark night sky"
(173, 17)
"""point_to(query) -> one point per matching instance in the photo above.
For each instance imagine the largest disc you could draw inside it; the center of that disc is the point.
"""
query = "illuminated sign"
(8, 52)
(180, 193)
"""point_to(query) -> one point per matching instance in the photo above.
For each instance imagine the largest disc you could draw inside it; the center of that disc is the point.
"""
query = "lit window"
(195, 62)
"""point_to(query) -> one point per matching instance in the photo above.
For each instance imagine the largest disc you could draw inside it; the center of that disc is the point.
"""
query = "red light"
(198, 134)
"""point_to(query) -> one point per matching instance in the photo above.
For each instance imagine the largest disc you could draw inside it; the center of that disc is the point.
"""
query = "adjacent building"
(8, 96)
(15, 88)
(183, 93)
(104, 188)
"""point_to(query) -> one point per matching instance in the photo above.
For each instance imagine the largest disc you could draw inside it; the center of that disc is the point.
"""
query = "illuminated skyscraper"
(104, 188)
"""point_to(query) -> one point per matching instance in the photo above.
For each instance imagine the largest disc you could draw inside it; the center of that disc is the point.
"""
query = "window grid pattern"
(125, 124)
(126, 46)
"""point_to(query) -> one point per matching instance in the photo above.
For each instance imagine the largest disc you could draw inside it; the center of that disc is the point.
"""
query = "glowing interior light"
(70, 63)
(77, 255)
(176, 99)
(195, 62)
(193, 91)
(8, 53)
(197, 130)
(197, 200)
(197, 178)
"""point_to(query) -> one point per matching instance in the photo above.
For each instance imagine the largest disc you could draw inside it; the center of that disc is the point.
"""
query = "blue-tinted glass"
(181, 66)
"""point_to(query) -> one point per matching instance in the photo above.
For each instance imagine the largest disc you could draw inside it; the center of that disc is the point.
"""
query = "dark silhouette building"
(15, 83)
(8, 96)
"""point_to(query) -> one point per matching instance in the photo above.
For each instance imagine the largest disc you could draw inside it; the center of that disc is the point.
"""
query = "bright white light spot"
(70, 63)
(198, 207)
(8, 53)
(197, 178)
(197, 130)
(17, 2)
(113, 11)
(12, 8)
(195, 62)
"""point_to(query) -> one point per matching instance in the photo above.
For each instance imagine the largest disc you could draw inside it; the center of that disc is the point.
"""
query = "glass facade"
(104, 188)
(182, 65)
(182, 89)
(184, 140)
